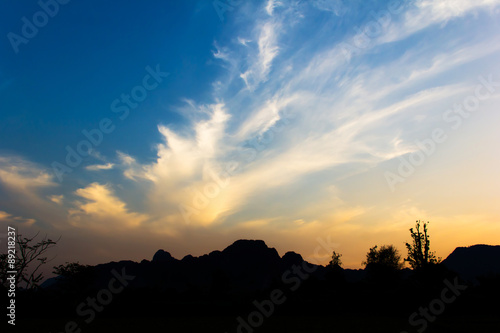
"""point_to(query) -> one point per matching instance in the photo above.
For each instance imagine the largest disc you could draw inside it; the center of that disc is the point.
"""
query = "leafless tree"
(30, 256)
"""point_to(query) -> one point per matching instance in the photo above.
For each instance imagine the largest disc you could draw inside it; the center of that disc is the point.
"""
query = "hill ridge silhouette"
(475, 261)
(249, 265)
(235, 283)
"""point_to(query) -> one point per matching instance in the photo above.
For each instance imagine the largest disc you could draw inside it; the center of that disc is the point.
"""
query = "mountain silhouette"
(162, 256)
(246, 266)
(248, 280)
(474, 262)
(249, 266)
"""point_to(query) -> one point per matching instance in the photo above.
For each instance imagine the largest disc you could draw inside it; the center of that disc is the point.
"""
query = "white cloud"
(101, 210)
(21, 175)
(424, 13)
(58, 199)
(25, 222)
(219, 54)
(4, 215)
(272, 159)
(243, 41)
(267, 50)
(334, 6)
(348, 117)
(97, 167)
(271, 4)
(264, 118)
(343, 115)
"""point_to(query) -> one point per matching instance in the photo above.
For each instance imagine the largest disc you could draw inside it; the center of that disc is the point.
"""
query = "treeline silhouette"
(248, 287)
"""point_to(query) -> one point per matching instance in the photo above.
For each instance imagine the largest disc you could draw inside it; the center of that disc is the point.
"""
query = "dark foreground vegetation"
(248, 287)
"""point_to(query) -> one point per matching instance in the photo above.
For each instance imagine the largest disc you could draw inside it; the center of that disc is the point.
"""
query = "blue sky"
(287, 121)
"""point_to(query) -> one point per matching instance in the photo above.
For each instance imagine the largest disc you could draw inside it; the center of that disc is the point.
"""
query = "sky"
(185, 125)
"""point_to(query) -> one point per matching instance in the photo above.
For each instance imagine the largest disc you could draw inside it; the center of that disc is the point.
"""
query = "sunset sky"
(126, 127)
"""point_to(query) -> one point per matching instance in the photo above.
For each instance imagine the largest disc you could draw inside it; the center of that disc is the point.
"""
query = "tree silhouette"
(387, 257)
(70, 269)
(73, 276)
(335, 273)
(419, 254)
(27, 254)
(335, 260)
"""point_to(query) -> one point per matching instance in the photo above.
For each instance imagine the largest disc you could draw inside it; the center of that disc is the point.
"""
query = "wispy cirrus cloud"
(334, 6)
(268, 49)
(425, 13)
(343, 114)
(291, 121)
